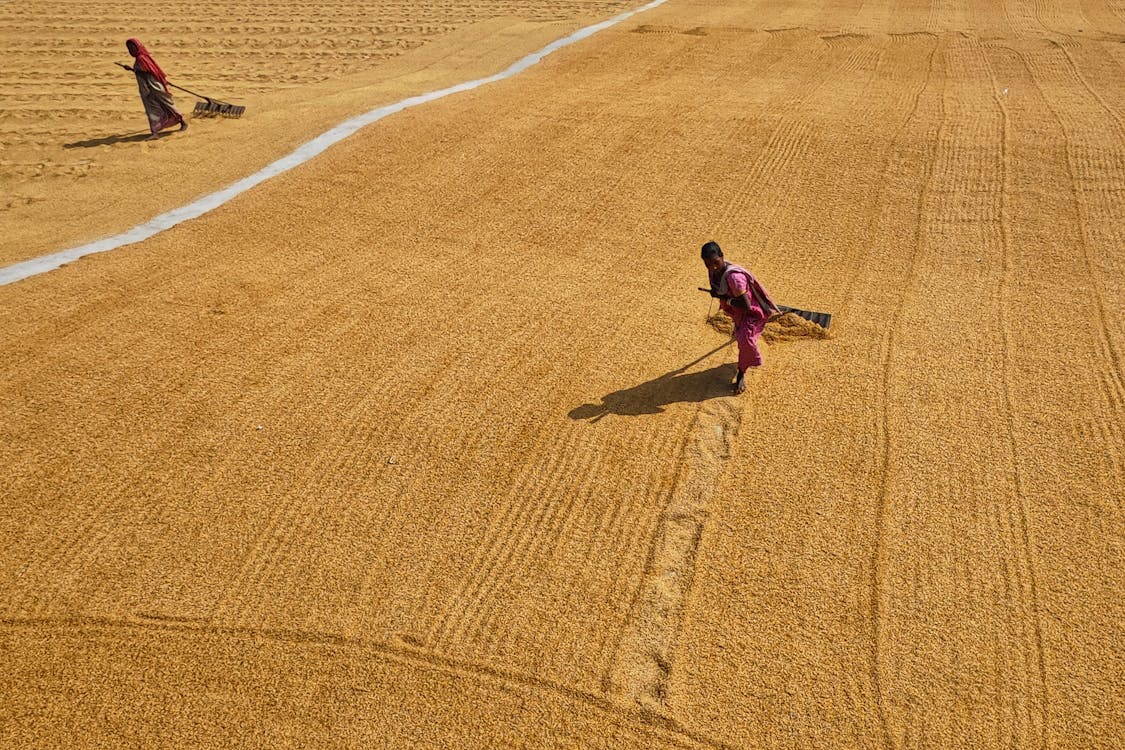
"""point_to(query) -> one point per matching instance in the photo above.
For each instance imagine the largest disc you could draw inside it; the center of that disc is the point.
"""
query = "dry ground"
(426, 443)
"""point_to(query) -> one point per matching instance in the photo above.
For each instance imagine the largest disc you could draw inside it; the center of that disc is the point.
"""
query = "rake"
(208, 107)
(822, 319)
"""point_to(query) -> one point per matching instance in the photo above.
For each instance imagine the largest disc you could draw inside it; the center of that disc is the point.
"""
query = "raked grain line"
(791, 138)
(496, 625)
(864, 55)
(657, 444)
(931, 25)
(1039, 11)
(467, 435)
(468, 438)
(978, 145)
(843, 40)
(1014, 31)
(256, 565)
(521, 511)
(635, 544)
(431, 441)
(592, 495)
(1021, 522)
(525, 532)
(633, 540)
(506, 680)
(905, 94)
(911, 96)
(512, 345)
(631, 579)
(1115, 387)
(293, 520)
(783, 134)
(1078, 176)
(290, 546)
(641, 671)
(505, 552)
(336, 458)
(299, 156)
(267, 552)
(1109, 110)
(91, 525)
(967, 169)
(879, 670)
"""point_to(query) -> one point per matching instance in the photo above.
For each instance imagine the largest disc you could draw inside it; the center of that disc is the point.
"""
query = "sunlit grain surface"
(428, 443)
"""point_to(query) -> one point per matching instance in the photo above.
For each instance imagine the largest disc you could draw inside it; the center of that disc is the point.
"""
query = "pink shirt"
(737, 285)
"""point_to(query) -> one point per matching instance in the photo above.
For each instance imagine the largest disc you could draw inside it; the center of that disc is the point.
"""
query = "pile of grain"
(787, 327)
(791, 327)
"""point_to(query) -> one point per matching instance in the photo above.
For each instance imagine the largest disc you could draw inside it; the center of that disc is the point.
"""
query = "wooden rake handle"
(181, 88)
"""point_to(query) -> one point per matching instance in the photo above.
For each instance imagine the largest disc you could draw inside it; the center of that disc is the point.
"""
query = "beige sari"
(161, 112)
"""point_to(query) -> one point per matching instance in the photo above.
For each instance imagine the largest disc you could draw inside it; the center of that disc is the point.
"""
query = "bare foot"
(740, 383)
(153, 137)
(183, 125)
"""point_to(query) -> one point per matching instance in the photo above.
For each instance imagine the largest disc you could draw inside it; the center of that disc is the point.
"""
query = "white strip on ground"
(302, 154)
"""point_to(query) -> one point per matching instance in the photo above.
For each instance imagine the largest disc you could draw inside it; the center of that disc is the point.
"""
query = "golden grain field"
(428, 443)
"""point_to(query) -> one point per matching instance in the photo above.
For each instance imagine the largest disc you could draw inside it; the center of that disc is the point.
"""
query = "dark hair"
(711, 250)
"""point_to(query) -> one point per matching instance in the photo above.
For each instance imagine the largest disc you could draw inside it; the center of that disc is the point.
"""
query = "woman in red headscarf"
(153, 85)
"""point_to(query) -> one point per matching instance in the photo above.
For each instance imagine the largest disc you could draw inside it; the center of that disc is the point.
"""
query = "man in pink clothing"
(742, 297)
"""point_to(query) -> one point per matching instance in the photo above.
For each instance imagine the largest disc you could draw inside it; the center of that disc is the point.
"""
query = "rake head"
(822, 319)
(214, 108)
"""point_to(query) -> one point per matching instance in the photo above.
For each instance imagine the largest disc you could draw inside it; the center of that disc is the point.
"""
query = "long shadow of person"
(109, 140)
(670, 388)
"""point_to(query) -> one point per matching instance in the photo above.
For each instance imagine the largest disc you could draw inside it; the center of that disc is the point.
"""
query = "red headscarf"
(145, 61)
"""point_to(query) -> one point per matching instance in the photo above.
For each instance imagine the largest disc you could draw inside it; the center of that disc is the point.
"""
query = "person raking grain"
(745, 300)
(153, 85)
